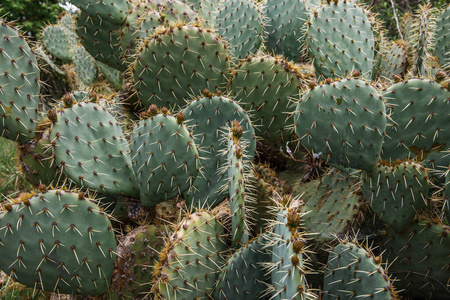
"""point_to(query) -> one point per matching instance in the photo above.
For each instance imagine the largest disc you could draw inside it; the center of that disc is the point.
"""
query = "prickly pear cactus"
(58, 241)
(189, 264)
(396, 192)
(443, 37)
(419, 258)
(101, 39)
(394, 60)
(333, 204)
(286, 20)
(243, 274)
(90, 147)
(36, 161)
(207, 117)
(110, 11)
(340, 40)
(268, 87)
(348, 123)
(423, 38)
(177, 63)
(355, 271)
(137, 255)
(173, 10)
(59, 41)
(237, 183)
(417, 110)
(84, 65)
(288, 246)
(19, 86)
(164, 156)
(239, 22)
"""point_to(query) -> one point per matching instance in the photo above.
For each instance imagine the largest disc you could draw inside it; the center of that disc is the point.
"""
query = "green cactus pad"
(237, 181)
(149, 22)
(19, 86)
(394, 60)
(58, 241)
(177, 63)
(243, 275)
(84, 65)
(340, 40)
(289, 248)
(417, 110)
(113, 75)
(114, 11)
(443, 37)
(173, 10)
(206, 9)
(397, 192)
(137, 255)
(101, 39)
(68, 22)
(343, 122)
(352, 271)
(332, 204)
(446, 197)
(165, 158)
(207, 118)
(239, 22)
(268, 87)
(59, 41)
(422, 37)
(90, 147)
(419, 257)
(37, 162)
(286, 20)
(189, 264)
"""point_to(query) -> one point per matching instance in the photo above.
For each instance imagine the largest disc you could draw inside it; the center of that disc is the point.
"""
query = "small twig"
(396, 20)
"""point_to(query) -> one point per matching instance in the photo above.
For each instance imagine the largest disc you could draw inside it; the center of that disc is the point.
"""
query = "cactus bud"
(93, 96)
(328, 81)
(295, 260)
(207, 93)
(293, 219)
(52, 116)
(236, 130)
(297, 246)
(440, 76)
(238, 153)
(7, 207)
(67, 100)
(312, 84)
(398, 78)
(152, 110)
(164, 111)
(42, 188)
(180, 117)
(356, 74)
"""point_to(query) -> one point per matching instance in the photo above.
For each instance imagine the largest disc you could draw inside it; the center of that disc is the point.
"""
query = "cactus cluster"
(226, 150)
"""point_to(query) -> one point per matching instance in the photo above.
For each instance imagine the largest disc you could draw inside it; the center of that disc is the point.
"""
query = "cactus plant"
(207, 186)
(19, 87)
(353, 271)
(345, 111)
(178, 62)
(189, 263)
(89, 146)
(240, 23)
(164, 157)
(58, 241)
(333, 31)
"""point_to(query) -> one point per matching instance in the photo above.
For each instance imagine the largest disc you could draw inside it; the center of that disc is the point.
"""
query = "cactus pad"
(58, 241)
(348, 123)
